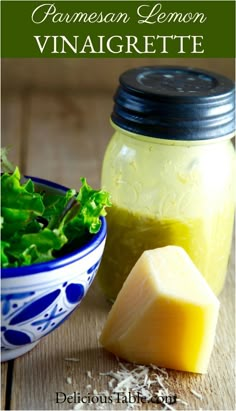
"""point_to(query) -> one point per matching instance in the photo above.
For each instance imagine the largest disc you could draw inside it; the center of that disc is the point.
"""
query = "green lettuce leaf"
(86, 211)
(39, 226)
(4, 257)
(30, 248)
(20, 205)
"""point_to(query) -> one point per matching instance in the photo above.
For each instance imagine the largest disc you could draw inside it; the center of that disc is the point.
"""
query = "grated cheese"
(79, 406)
(136, 380)
(89, 374)
(197, 394)
(72, 359)
(111, 382)
(182, 402)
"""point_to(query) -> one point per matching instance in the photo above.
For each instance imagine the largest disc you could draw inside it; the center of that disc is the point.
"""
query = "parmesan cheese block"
(165, 313)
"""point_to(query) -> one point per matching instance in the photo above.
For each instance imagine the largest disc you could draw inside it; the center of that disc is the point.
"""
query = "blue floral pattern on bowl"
(37, 299)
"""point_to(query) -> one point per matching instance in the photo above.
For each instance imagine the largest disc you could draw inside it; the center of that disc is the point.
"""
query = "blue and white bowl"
(36, 299)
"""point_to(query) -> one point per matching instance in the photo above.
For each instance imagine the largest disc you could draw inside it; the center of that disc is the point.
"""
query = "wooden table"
(61, 137)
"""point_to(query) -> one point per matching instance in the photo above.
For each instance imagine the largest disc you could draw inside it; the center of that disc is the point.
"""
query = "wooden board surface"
(11, 137)
(78, 74)
(4, 368)
(62, 137)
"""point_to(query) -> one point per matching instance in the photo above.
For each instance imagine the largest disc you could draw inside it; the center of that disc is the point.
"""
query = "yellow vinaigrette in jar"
(170, 169)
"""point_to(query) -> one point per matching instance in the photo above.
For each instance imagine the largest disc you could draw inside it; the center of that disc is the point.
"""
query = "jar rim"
(171, 142)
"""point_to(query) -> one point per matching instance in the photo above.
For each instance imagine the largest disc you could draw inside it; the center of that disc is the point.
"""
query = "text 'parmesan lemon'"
(165, 313)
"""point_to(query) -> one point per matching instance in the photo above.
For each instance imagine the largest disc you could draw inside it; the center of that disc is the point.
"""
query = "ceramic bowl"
(36, 299)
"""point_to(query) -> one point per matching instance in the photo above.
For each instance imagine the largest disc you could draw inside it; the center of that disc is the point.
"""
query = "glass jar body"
(167, 192)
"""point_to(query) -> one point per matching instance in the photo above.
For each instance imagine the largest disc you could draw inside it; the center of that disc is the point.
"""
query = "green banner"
(89, 29)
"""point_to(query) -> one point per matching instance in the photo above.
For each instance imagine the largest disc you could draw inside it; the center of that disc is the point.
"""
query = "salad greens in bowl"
(52, 241)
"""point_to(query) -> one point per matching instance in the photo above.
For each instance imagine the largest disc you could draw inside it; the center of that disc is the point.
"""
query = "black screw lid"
(179, 103)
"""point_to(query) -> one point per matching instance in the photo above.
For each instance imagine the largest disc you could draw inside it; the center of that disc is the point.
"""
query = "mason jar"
(170, 170)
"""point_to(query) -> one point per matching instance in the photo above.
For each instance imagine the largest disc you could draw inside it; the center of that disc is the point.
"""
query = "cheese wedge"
(165, 313)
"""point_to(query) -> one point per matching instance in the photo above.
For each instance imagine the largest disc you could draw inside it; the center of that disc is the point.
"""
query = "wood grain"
(78, 338)
(11, 111)
(11, 137)
(4, 367)
(90, 75)
(65, 136)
